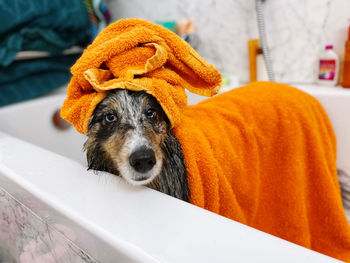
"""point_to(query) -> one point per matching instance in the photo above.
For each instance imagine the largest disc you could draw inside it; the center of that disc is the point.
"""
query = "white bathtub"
(53, 210)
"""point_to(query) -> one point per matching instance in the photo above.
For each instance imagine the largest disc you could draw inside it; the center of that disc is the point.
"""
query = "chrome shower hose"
(263, 40)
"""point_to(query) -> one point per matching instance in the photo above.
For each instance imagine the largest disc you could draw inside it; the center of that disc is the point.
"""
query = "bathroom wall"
(296, 29)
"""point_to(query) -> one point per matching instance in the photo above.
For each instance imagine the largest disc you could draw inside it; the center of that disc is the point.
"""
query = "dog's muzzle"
(142, 160)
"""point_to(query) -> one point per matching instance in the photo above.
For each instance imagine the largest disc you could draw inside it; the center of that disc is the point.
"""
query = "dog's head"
(125, 137)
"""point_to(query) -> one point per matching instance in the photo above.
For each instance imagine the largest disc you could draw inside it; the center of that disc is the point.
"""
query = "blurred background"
(296, 30)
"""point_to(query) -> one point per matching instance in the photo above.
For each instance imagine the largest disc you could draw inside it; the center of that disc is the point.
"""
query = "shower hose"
(263, 40)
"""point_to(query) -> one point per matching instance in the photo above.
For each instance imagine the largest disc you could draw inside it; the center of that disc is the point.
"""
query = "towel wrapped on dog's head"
(137, 55)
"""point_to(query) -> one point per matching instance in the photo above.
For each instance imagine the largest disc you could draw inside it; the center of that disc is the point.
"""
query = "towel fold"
(137, 55)
(263, 154)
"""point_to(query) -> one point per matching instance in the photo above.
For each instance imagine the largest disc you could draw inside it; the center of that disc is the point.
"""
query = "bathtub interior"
(33, 121)
(107, 219)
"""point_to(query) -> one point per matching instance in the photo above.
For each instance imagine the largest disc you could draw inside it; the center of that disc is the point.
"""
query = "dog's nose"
(142, 160)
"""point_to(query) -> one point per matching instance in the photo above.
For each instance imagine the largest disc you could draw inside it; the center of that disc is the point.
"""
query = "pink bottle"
(328, 67)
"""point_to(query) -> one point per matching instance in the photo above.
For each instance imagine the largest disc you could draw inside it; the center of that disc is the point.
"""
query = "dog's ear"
(93, 153)
(96, 157)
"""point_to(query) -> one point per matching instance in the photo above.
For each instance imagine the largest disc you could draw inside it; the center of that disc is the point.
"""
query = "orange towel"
(263, 155)
(127, 50)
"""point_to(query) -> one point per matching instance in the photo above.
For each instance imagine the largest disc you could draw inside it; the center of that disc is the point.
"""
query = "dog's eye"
(111, 118)
(151, 113)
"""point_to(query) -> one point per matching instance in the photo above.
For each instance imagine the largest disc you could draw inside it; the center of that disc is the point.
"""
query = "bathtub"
(53, 210)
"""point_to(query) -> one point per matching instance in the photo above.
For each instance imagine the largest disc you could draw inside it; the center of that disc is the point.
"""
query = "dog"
(129, 135)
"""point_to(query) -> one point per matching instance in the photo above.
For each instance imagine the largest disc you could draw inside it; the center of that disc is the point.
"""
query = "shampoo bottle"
(328, 67)
(346, 71)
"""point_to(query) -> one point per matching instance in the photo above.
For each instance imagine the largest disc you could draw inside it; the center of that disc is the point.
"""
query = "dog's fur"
(126, 122)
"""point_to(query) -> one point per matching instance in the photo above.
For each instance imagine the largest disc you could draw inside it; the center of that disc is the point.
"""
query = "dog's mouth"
(140, 178)
(136, 178)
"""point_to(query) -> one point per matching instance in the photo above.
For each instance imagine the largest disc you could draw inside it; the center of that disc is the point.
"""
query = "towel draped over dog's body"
(263, 155)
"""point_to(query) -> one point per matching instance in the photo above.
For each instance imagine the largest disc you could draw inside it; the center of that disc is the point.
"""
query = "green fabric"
(46, 25)
(28, 79)
(39, 25)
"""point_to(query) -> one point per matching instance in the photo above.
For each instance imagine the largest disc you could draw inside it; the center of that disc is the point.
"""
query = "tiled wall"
(296, 30)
